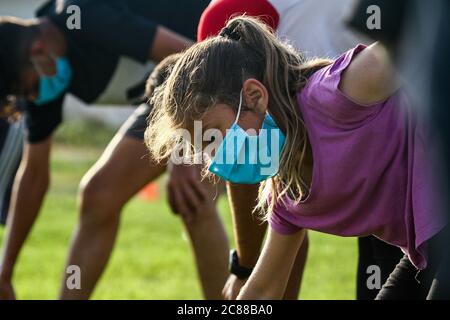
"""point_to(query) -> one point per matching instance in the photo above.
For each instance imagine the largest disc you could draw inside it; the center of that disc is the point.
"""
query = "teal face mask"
(249, 159)
(51, 87)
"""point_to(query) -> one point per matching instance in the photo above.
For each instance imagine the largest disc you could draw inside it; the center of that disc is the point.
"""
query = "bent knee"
(98, 200)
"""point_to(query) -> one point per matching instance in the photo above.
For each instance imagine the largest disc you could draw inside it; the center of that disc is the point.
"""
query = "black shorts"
(11, 142)
(136, 124)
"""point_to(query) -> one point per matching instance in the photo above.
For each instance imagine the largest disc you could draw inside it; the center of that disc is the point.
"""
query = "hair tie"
(230, 34)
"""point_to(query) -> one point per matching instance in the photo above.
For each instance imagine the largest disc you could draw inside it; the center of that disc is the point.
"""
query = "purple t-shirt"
(371, 175)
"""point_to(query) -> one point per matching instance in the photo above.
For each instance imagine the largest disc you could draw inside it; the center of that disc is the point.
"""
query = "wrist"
(242, 272)
(247, 262)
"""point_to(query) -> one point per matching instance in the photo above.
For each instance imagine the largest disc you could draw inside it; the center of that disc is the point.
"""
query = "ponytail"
(213, 71)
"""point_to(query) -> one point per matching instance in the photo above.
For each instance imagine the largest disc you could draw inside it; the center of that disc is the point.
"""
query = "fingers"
(186, 193)
(232, 288)
(235, 292)
(193, 201)
(171, 199)
(225, 291)
(199, 189)
(180, 204)
(183, 200)
(231, 293)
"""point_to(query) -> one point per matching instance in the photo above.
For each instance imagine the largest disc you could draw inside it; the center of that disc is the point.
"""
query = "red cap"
(216, 15)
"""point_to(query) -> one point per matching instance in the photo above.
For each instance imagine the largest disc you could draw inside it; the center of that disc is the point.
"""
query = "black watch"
(239, 271)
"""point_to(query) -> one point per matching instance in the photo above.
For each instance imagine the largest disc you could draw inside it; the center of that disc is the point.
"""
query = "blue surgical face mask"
(52, 87)
(248, 159)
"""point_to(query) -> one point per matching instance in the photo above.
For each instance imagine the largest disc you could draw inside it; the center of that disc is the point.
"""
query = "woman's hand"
(232, 287)
(271, 274)
(186, 194)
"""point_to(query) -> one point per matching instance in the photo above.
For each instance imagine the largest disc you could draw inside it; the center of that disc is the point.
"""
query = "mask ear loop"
(37, 68)
(239, 108)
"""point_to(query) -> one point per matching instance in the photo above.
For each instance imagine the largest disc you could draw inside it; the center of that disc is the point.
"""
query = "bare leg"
(122, 170)
(210, 245)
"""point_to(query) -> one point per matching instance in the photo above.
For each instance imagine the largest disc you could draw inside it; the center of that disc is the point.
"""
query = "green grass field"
(152, 259)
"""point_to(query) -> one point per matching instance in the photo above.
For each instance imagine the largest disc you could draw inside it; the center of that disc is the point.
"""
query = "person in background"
(318, 28)
(11, 137)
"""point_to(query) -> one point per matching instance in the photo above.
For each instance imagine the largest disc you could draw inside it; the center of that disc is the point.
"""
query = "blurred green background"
(152, 258)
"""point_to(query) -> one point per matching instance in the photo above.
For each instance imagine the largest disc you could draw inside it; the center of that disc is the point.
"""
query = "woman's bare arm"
(271, 274)
(370, 77)
(167, 42)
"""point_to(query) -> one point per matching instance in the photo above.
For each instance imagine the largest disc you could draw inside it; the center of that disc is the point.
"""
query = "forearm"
(167, 42)
(270, 277)
(28, 193)
(248, 230)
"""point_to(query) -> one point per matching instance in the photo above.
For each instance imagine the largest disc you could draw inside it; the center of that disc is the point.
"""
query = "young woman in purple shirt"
(354, 154)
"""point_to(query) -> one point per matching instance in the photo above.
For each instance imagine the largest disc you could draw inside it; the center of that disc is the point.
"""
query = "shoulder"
(332, 102)
(370, 76)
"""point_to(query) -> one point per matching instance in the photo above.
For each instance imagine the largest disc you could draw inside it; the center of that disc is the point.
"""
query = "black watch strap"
(236, 269)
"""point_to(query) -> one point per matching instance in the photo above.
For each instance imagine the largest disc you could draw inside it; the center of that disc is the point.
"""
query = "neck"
(53, 37)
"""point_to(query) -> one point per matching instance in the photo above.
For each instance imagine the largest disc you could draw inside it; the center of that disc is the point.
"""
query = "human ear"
(41, 58)
(37, 48)
(255, 96)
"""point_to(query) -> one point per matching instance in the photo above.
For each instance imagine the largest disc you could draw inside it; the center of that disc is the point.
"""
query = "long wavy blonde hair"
(213, 72)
